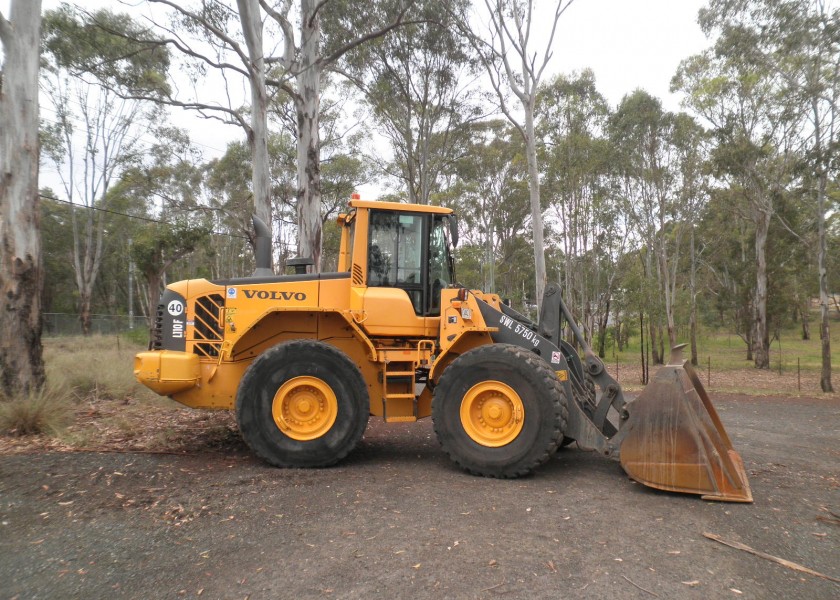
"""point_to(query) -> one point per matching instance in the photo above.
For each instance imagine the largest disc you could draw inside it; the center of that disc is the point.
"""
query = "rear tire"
(302, 403)
(499, 411)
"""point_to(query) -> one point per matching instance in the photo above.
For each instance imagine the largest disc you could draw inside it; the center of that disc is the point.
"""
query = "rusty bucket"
(675, 440)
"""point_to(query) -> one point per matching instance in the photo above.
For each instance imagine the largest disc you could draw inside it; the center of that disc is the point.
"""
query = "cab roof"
(416, 208)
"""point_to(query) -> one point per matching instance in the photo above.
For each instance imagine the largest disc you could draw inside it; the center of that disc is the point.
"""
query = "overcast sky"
(628, 44)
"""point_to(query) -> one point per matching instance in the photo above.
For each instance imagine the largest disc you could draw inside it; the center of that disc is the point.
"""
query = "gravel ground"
(397, 519)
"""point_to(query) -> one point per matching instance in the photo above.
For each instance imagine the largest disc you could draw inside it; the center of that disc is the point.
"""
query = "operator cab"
(401, 255)
(410, 251)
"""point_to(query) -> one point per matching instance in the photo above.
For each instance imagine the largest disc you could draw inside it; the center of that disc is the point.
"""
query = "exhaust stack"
(262, 248)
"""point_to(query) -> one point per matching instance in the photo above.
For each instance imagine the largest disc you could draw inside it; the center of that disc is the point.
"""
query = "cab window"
(395, 250)
(440, 274)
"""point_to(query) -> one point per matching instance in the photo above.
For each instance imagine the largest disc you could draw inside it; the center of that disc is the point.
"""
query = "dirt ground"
(397, 519)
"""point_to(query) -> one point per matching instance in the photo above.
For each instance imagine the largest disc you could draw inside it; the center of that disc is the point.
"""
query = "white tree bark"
(510, 30)
(534, 192)
(822, 273)
(761, 336)
(21, 271)
(251, 19)
(308, 104)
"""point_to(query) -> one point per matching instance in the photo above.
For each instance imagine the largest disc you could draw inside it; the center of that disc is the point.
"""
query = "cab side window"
(439, 267)
(394, 253)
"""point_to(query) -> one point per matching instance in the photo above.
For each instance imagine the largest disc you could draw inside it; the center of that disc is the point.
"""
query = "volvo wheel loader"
(306, 359)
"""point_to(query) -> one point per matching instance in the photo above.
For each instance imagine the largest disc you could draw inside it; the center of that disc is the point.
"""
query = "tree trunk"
(84, 314)
(87, 258)
(825, 332)
(153, 295)
(619, 335)
(536, 209)
(307, 105)
(654, 342)
(250, 18)
(804, 311)
(602, 331)
(761, 336)
(693, 295)
(642, 348)
(21, 266)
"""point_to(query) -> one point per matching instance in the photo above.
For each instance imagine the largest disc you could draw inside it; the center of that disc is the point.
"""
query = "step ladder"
(398, 382)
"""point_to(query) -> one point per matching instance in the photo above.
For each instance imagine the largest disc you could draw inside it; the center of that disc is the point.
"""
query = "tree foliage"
(724, 215)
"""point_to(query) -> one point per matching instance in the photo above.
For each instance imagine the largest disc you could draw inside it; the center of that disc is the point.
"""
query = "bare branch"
(199, 106)
(500, 28)
(548, 54)
(203, 58)
(282, 19)
(5, 30)
(221, 35)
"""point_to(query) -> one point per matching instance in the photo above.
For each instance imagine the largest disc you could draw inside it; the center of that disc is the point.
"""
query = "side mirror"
(453, 229)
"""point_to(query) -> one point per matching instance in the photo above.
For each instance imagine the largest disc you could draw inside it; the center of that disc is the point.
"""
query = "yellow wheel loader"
(306, 359)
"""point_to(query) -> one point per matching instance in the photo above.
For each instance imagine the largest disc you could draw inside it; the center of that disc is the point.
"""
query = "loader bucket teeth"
(675, 440)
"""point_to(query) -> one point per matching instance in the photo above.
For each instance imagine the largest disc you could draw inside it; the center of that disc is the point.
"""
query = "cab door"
(396, 297)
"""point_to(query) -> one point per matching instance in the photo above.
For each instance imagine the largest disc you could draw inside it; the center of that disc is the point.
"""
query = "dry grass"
(94, 403)
(96, 366)
(46, 412)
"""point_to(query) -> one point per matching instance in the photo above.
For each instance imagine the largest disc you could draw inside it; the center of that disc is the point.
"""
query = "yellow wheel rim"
(304, 408)
(492, 414)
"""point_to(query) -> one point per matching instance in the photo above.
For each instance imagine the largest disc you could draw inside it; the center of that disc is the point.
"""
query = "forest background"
(658, 224)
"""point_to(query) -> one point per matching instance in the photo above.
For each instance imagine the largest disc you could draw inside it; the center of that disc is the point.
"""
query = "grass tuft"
(46, 412)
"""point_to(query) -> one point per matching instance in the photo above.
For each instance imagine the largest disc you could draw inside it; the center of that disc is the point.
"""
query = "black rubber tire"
(542, 396)
(271, 370)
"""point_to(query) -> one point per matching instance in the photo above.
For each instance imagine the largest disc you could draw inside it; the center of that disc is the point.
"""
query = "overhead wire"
(130, 216)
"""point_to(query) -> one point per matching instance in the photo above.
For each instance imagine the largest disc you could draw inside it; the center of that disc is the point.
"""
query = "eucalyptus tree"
(491, 196)
(642, 132)
(57, 295)
(228, 186)
(579, 184)
(96, 132)
(755, 149)
(691, 144)
(799, 42)
(276, 50)
(505, 49)
(420, 83)
(21, 270)
(164, 191)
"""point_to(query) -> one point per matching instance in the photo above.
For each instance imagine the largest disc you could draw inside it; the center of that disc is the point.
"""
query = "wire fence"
(65, 324)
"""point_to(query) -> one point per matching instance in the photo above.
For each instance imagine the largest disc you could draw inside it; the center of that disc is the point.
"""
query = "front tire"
(499, 411)
(302, 403)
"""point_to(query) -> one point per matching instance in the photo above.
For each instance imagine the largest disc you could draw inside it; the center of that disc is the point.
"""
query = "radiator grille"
(208, 326)
(156, 342)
